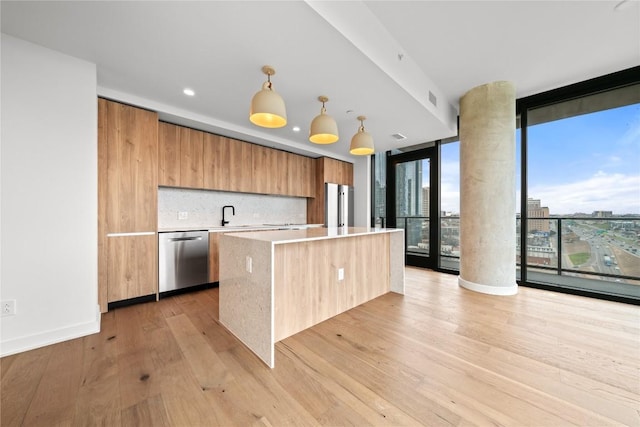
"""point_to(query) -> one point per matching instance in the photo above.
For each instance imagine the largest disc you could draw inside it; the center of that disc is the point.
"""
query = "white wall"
(362, 191)
(48, 211)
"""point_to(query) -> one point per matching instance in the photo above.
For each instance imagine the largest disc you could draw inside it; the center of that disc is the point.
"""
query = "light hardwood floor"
(439, 355)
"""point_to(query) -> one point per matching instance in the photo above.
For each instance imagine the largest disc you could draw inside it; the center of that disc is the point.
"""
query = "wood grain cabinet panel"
(240, 167)
(132, 266)
(191, 158)
(301, 176)
(168, 155)
(264, 167)
(132, 168)
(228, 164)
(216, 155)
(127, 201)
(180, 156)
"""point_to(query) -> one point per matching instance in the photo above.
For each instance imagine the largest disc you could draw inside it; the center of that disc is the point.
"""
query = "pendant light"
(324, 129)
(362, 142)
(267, 107)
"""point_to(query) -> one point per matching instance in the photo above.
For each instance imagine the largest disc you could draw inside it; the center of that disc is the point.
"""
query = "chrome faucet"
(233, 211)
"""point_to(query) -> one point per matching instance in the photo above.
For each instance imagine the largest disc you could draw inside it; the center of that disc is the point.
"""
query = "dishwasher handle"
(182, 239)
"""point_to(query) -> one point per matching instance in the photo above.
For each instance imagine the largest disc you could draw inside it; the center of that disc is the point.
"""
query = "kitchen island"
(274, 284)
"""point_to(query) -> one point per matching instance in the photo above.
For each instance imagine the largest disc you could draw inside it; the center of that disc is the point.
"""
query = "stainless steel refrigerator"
(338, 205)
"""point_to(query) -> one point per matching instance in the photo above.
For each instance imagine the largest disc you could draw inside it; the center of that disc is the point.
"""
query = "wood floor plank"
(55, 399)
(19, 383)
(98, 400)
(207, 367)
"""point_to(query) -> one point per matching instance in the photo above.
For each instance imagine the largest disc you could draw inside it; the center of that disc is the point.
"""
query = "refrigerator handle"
(340, 207)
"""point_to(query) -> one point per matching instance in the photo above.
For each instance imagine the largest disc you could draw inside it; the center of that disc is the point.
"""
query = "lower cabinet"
(132, 266)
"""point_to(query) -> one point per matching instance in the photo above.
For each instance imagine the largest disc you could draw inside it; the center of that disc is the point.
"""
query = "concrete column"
(487, 189)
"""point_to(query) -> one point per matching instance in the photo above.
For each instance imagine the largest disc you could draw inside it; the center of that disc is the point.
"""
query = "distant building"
(534, 210)
(425, 201)
(602, 214)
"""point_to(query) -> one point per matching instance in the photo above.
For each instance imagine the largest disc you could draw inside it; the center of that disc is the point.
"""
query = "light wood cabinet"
(216, 156)
(227, 164)
(326, 170)
(301, 176)
(240, 166)
(168, 155)
(131, 138)
(127, 202)
(132, 266)
(180, 156)
(191, 158)
(337, 171)
(264, 170)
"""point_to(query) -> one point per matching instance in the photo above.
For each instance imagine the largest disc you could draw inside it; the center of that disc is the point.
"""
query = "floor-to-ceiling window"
(449, 258)
(577, 195)
(583, 191)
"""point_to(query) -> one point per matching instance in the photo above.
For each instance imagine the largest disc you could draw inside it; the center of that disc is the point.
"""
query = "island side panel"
(246, 298)
(306, 285)
(396, 260)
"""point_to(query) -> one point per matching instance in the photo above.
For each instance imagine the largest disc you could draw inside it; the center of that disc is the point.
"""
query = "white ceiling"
(375, 58)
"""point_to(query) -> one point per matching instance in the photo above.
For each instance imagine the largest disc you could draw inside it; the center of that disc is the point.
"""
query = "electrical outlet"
(8, 307)
(249, 264)
(183, 215)
(341, 274)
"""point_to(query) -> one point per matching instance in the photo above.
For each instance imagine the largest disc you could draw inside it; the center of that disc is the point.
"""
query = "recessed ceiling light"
(398, 136)
(296, 128)
(188, 92)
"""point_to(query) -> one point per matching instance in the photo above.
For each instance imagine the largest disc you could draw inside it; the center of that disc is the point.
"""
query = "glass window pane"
(584, 193)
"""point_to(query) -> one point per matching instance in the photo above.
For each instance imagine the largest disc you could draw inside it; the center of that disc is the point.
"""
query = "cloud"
(617, 192)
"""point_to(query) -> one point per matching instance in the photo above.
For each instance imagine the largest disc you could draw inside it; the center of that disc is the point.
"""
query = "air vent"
(433, 99)
(399, 136)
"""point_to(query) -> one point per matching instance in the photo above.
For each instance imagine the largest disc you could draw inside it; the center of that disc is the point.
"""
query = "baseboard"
(30, 342)
(486, 289)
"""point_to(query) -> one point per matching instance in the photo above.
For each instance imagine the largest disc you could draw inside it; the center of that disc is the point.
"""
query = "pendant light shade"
(362, 142)
(267, 107)
(324, 129)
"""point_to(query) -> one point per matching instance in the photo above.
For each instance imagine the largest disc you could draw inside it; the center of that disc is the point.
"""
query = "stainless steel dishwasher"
(183, 259)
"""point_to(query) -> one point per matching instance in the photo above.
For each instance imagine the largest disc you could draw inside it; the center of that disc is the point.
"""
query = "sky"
(582, 164)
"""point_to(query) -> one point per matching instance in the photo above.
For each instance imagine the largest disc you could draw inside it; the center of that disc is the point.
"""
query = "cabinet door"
(132, 168)
(308, 177)
(263, 160)
(216, 162)
(191, 158)
(346, 174)
(239, 167)
(280, 171)
(132, 266)
(168, 155)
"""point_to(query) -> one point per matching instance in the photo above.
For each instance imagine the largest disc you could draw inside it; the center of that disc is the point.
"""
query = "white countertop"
(313, 233)
(238, 228)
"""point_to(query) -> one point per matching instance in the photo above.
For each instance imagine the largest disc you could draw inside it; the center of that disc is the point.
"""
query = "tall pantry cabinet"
(127, 202)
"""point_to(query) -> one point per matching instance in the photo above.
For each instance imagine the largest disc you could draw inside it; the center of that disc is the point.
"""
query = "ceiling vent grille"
(433, 99)
(399, 136)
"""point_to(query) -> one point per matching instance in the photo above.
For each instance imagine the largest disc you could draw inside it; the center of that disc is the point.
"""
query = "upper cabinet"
(180, 156)
(337, 171)
(227, 164)
(128, 150)
(194, 159)
(326, 170)
(301, 177)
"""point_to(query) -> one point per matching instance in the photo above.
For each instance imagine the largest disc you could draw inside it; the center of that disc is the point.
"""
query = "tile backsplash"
(204, 208)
